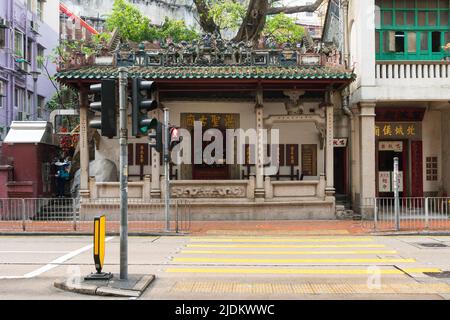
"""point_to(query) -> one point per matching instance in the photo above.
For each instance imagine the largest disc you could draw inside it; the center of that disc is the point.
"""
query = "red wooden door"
(417, 169)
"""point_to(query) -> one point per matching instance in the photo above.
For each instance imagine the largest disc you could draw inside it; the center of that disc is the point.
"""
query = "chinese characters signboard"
(210, 120)
(396, 146)
(340, 142)
(309, 159)
(292, 154)
(386, 181)
(398, 130)
(142, 154)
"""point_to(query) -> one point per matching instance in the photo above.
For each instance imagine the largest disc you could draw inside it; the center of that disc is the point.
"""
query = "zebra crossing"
(292, 255)
(272, 267)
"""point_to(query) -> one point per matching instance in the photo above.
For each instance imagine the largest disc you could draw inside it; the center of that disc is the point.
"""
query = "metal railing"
(76, 215)
(408, 214)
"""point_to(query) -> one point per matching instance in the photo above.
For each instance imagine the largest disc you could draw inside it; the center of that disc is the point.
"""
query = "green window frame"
(412, 29)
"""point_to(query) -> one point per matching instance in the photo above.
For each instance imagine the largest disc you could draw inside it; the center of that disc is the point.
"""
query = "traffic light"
(174, 137)
(155, 135)
(142, 104)
(107, 124)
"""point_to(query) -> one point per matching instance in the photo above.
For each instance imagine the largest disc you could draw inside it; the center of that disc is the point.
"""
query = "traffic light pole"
(123, 83)
(166, 168)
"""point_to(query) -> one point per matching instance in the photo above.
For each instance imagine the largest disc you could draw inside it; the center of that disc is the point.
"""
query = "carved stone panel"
(209, 192)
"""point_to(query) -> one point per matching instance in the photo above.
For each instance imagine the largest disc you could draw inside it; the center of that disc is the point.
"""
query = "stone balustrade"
(412, 70)
(108, 190)
(279, 190)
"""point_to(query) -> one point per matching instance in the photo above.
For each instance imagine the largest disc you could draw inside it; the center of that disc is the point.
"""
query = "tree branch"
(253, 22)
(206, 21)
(289, 10)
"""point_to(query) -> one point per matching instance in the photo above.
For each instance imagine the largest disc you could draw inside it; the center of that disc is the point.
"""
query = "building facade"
(399, 105)
(312, 21)
(224, 86)
(29, 31)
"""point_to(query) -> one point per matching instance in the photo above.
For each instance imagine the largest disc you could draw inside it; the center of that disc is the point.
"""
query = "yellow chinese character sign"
(399, 130)
(210, 120)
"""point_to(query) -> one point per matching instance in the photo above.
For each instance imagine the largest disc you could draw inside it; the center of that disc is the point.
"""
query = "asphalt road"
(220, 267)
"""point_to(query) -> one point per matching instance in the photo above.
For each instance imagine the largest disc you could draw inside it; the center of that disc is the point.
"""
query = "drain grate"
(433, 245)
(441, 275)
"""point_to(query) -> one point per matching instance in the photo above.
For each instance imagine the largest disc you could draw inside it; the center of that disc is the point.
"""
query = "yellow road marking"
(280, 239)
(286, 246)
(220, 260)
(244, 252)
(301, 271)
(219, 287)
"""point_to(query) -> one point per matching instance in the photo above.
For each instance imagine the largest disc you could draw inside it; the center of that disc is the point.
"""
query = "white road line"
(53, 264)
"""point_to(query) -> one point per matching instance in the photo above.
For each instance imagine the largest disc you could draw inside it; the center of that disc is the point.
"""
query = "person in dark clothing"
(62, 176)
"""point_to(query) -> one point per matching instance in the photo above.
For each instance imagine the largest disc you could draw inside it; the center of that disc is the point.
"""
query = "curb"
(102, 290)
(411, 233)
(83, 234)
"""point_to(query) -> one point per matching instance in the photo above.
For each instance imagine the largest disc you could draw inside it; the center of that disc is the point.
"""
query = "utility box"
(27, 154)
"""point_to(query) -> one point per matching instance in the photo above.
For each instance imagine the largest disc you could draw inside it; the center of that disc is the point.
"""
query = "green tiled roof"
(212, 72)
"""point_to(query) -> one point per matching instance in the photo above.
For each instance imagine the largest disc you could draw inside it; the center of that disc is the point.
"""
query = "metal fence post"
(23, 215)
(375, 215)
(176, 210)
(426, 214)
(74, 212)
(396, 196)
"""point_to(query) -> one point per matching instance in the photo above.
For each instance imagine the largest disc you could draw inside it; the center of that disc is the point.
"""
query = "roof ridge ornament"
(212, 50)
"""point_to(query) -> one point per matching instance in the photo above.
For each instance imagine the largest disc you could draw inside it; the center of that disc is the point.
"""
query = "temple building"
(224, 85)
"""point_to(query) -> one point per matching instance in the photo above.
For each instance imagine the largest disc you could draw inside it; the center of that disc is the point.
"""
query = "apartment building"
(399, 106)
(29, 32)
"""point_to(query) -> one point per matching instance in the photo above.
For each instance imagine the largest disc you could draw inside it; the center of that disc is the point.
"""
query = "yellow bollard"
(99, 250)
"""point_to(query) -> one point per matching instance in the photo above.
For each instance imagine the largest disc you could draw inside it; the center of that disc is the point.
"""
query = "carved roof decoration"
(211, 58)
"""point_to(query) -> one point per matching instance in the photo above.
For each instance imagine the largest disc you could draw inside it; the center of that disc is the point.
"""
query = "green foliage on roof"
(134, 26)
(281, 29)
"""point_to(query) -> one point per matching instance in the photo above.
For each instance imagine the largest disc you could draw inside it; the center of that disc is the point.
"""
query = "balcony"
(413, 80)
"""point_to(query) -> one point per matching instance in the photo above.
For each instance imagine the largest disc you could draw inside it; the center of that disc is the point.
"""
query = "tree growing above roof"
(247, 18)
(254, 20)
(282, 29)
(134, 26)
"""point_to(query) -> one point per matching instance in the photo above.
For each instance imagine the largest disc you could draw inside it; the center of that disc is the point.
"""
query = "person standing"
(62, 176)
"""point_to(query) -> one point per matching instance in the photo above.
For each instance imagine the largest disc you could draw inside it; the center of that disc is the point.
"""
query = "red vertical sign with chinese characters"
(417, 169)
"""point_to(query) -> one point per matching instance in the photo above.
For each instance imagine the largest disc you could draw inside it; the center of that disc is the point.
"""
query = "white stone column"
(329, 149)
(354, 165)
(367, 151)
(259, 113)
(84, 145)
(155, 190)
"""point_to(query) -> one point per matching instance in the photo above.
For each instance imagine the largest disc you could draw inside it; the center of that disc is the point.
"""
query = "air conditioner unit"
(4, 24)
